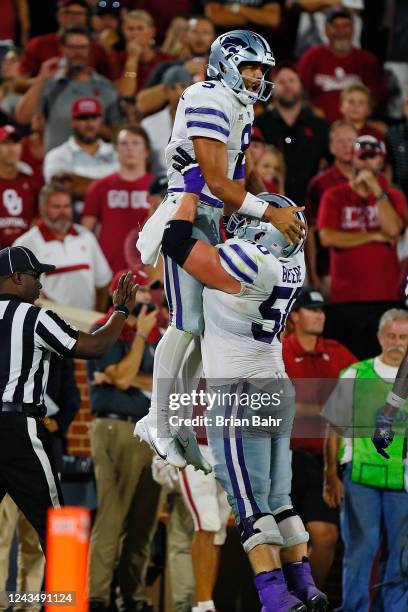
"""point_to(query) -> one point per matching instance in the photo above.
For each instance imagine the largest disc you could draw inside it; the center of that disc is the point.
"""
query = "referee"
(28, 336)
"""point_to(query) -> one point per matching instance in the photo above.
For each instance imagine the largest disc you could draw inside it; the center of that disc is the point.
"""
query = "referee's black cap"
(20, 259)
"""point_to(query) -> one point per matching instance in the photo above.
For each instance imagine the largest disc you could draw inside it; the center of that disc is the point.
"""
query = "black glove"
(191, 171)
(383, 435)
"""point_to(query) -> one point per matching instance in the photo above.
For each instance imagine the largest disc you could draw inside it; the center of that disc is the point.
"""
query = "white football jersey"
(211, 110)
(242, 331)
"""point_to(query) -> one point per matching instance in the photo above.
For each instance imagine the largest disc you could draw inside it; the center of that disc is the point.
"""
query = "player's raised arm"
(199, 259)
(212, 163)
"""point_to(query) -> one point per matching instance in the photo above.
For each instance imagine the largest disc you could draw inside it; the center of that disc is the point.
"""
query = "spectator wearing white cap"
(82, 274)
(84, 157)
(159, 125)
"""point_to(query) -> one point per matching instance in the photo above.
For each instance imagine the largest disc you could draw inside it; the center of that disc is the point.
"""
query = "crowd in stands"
(88, 95)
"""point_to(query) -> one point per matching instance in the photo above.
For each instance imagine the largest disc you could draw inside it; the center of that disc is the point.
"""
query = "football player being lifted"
(213, 126)
(250, 284)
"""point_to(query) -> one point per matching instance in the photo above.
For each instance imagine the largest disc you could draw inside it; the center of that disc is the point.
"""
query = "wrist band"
(395, 400)
(253, 206)
(123, 310)
(140, 335)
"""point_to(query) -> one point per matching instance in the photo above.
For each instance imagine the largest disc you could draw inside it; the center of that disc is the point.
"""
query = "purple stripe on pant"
(179, 307)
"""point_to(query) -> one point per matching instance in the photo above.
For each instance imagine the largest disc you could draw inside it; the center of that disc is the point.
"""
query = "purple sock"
(274, 594)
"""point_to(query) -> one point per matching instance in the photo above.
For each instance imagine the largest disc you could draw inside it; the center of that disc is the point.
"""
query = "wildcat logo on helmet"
(233, 44)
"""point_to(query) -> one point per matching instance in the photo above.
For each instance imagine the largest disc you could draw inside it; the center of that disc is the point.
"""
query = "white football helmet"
(237, 47)
(265, 233)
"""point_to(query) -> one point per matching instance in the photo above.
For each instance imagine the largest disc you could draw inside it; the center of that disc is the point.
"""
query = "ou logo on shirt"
(120, 198)
(12, 202)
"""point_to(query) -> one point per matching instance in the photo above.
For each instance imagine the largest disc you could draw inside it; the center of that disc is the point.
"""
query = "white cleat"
(165, 448)
(174, 455)
(188, 445)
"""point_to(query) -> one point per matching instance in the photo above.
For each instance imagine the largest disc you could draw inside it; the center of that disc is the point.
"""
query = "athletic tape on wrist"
(395, 400)
(253, 206)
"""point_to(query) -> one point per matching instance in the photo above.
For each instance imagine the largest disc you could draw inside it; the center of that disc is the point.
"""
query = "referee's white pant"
(27, 473)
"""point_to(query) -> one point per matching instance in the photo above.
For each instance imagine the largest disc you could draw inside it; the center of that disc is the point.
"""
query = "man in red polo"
(342, 137)
(313, 364)
(360, 222)
(18, 189)
(46, 46)
(327, 69)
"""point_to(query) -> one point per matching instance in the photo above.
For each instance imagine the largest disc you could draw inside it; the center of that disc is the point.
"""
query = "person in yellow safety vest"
(372, 498)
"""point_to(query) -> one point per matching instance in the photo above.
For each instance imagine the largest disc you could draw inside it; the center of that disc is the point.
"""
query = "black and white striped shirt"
(28, 336)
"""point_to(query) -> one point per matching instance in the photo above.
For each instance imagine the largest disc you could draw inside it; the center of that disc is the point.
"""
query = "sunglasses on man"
(369, 155)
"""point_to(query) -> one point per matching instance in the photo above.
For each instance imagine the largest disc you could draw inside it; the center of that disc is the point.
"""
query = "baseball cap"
(337, 11)
(10, 132)
(20, 259)
(141, 279)
(86, 107)
(256, 135)
(368, 144)
(309, 298)
(176, 74)
(159, 185)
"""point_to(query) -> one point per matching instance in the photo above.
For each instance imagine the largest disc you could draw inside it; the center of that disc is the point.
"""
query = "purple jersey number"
(269, 313)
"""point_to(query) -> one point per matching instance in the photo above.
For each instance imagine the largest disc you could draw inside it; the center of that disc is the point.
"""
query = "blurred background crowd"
(88, 95)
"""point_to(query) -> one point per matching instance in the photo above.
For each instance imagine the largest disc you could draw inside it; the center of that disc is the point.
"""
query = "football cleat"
(188, 447)
(300, 582)
(274, 595)
(165, 448)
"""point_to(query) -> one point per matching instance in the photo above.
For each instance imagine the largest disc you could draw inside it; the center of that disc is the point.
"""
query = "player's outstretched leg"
(186, 440)
(155, 427)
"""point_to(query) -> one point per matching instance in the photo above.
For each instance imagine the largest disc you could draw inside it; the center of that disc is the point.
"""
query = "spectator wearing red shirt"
(342, 137)
(46, 46)
(132, 66)
(18, 190)
(308, 359)
(327, 69)
(356, 107)
(119, 202)
(360, 222)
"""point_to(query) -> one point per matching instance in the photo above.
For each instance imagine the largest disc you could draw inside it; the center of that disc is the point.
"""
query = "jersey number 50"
(269, 313)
